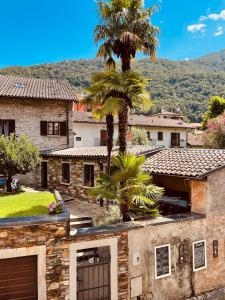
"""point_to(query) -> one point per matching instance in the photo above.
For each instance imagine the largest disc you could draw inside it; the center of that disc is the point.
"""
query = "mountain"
(184, 84)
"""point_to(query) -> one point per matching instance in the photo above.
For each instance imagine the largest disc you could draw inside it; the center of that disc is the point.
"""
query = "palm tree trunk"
(123, 124)
(110, 132)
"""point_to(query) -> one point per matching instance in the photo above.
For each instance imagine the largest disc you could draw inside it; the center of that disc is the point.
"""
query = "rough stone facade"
(53, 236)
(76, 186)
(28, 113)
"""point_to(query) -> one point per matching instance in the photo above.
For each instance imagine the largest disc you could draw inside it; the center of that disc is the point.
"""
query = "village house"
(161, 131)
(72, 170)
(38, 108)
(173, 257)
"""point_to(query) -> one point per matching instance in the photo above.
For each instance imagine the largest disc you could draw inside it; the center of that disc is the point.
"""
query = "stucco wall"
(90, 134)
(28, 114)
(216, 193)
(183, 282)
(166, 135)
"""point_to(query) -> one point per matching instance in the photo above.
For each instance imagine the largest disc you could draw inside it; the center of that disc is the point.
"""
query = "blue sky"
(44, 31)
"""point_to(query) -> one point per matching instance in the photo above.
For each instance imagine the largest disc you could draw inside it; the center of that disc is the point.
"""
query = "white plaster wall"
(90, 134)
(166, 136)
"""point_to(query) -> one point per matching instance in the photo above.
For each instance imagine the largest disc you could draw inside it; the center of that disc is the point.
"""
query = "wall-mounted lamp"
(215, 248)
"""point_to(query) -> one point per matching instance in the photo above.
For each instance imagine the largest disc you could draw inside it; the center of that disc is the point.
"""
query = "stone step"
(79, 218)
(81, 224)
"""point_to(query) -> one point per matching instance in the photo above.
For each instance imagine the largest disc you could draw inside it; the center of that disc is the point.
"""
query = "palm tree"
(103, 106)
(136, 190)
(111, 91)
(125, 30)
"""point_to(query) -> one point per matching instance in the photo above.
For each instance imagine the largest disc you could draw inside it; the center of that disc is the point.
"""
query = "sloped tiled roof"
(134, 119)
(186, 162)
(100, 151)
(195, 140)
(142, 120)
(28, 87)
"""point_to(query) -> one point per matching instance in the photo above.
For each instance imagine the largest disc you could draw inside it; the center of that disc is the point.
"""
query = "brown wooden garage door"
(18, 278)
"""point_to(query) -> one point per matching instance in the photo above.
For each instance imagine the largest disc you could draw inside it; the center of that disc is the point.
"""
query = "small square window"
(78, 138)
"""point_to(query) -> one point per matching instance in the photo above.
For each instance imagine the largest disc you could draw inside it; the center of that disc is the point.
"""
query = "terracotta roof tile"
(185, 162)
(195, 140)
(134, 119)
(28, 87)
(100, 151)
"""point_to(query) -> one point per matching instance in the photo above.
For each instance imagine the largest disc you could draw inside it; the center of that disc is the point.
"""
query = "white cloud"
(219, 31)
(187, 59)
(214, 17)
(196, 28)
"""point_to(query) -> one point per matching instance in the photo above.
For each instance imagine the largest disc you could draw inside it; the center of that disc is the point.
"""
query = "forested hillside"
(173, 84)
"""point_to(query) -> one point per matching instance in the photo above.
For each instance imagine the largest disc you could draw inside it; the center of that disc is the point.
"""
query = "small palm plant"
(129, 186)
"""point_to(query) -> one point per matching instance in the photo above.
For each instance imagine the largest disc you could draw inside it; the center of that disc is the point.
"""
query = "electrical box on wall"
(136, 287)
(136, 258)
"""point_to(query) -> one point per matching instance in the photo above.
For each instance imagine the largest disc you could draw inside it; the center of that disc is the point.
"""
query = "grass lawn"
(24, 204)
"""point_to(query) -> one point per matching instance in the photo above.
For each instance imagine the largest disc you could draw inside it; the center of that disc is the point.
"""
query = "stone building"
(72, 170)
(173, 257)
(38, 108)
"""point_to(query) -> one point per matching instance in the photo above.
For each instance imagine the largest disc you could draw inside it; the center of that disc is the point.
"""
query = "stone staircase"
(80, 222)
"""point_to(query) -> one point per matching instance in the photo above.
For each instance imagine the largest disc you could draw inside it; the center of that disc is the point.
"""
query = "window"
(65, 172)
(7, 127)
(78, 138)
(160, 136)
(53, 128)
(89, 175)
(149, 135)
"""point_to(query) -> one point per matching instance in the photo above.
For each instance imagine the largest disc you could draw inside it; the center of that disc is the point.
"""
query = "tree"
(125, 30)
(110, 91)
(139, 137)
(136, 189)
(18, 155)
(214, 136)
(216, 106)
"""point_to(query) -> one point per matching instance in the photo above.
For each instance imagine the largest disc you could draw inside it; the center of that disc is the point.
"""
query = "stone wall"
(28, 114)
(76, 186)
(53, 236)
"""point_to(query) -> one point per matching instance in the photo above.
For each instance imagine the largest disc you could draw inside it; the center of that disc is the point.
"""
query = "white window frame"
(193, 259)
(166, 275)
(40, 251)
(75, 247)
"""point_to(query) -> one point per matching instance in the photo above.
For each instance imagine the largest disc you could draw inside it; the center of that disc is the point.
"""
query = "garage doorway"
(18, 278)
(23, 273)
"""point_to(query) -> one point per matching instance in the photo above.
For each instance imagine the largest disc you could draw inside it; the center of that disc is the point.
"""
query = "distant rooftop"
(100, 151)
(134, 119)
(28, 87)
(196, 163)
